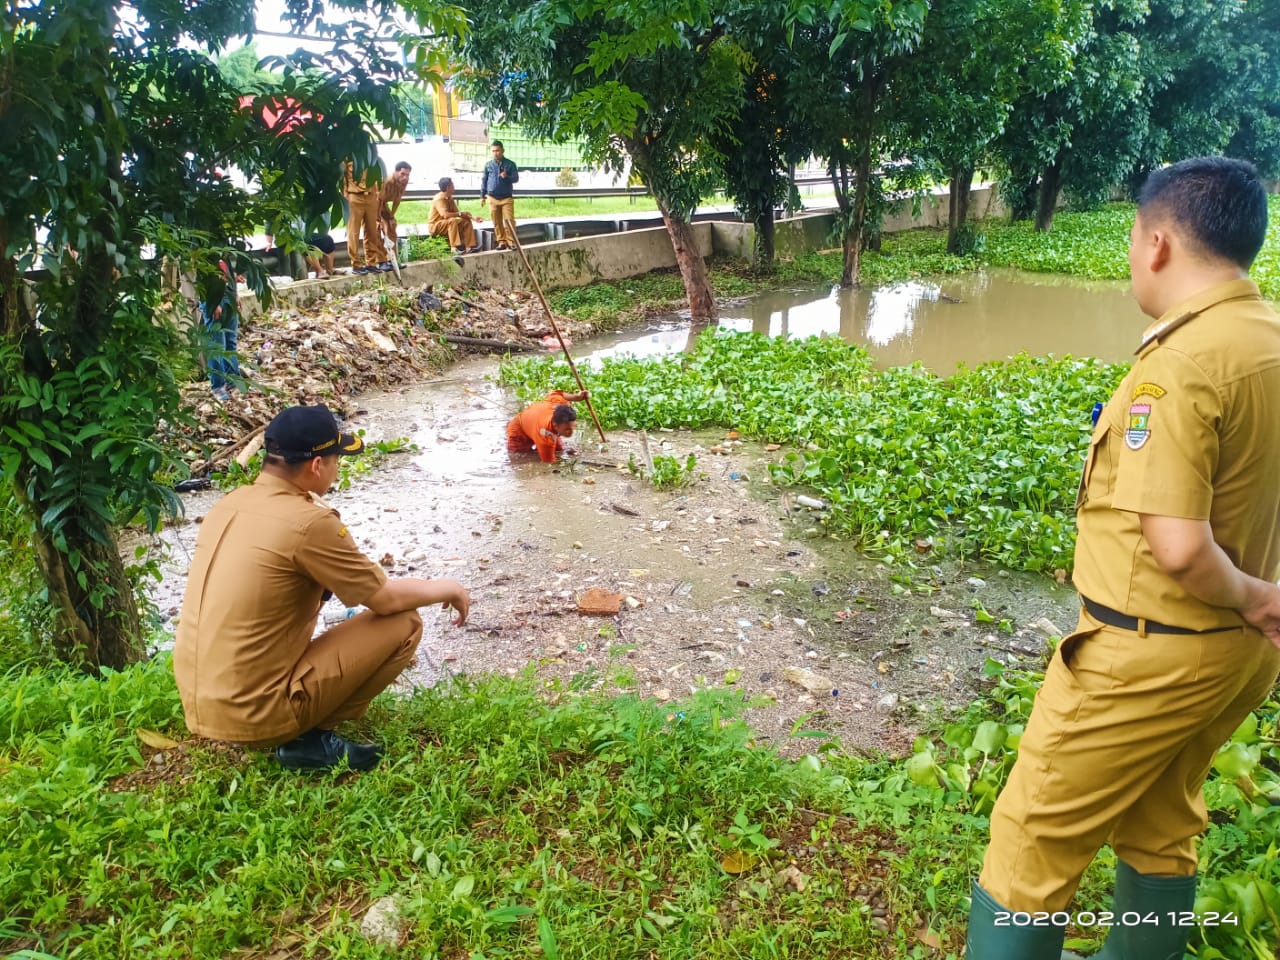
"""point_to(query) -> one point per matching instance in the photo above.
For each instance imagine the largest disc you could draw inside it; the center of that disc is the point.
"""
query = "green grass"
(415, 211)
(984, 463)
(516, 820)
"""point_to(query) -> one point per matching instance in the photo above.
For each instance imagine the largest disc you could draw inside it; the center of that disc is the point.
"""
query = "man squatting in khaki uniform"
(1176, 562)
(267, 557)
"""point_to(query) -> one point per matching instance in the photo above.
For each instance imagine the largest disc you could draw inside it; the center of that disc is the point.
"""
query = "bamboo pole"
(555, 327)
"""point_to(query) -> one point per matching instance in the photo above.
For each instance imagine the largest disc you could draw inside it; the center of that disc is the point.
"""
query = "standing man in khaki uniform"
(364, 201)
(267, 557)
(499, 176)
(1176, 563)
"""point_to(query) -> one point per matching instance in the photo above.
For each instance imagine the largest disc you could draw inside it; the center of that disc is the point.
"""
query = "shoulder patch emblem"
(1139, 431)
(342, 531)
(1148, 390)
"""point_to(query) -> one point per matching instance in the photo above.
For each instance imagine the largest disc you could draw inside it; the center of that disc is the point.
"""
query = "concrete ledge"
(614, 256)
(559, 263)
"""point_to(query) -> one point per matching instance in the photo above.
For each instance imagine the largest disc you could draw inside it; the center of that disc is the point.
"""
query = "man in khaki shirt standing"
(267, 557)
(1176, 563)
(364, 201)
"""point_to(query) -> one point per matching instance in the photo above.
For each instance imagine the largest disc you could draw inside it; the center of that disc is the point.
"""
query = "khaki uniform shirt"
(443, 209)
(393, 191)
(352, 187)
(264, 556)
(1194, 432)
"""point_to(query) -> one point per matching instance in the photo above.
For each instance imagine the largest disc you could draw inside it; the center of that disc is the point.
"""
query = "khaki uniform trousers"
(504, 220)
(1120, 741)
(461, 232)
(364, 220)
(347, 666)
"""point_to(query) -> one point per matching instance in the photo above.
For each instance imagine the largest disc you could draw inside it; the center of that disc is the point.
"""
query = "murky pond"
(727, 581)
(969, 318)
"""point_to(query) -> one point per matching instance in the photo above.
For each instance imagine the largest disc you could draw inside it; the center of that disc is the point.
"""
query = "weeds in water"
(985, 462)
(350, 469)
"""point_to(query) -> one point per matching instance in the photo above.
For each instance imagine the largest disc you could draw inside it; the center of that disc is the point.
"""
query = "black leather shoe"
(385, 267)
(322, 749)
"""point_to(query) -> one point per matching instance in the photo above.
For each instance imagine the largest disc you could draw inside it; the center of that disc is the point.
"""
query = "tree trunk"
(1022, 201)
(88, 637)
(958, 207)
(1047, 200)
(851, 275)
(763, 248)
(693, 270)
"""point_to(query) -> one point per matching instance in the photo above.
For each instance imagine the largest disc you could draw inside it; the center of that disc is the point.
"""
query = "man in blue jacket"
(499, 174)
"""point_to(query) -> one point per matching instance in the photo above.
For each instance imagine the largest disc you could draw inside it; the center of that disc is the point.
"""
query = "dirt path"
(729, 582)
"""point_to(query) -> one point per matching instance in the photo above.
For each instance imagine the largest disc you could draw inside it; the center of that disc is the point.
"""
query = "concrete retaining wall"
(614, 256)
(560, 263)
(809, 232)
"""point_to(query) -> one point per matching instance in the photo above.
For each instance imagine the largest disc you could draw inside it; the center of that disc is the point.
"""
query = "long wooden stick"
(537, 287)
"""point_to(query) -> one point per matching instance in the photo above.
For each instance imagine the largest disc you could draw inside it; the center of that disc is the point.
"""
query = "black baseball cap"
(300, 433)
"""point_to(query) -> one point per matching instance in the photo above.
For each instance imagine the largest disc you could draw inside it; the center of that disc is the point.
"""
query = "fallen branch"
(226, 451)
(490, 344)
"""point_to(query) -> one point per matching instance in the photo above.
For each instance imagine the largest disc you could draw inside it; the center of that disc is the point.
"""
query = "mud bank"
(728, 582)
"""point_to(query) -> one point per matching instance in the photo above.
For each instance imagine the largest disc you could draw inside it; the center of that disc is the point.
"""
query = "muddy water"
(966, 319)
(727, 582)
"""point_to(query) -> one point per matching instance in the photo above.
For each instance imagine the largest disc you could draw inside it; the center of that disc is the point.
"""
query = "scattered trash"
(942, 613)
(382, 922)
(888, 703)
(976, 582)
(815, 683)
(1047, 627)
(811, 502)
(790, 875)
(820, 589)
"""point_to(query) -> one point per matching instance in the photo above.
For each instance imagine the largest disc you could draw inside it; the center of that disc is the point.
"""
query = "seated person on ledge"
(446, 220)
(267, 557)
(544, 426)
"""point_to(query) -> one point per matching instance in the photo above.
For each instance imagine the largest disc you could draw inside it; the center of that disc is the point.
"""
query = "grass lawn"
(512, 819)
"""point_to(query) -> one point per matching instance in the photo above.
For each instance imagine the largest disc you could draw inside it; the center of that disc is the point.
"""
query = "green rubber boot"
(1142, 898)
(987, 941)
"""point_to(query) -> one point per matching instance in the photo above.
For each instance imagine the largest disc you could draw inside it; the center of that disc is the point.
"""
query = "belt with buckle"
(1114, 618)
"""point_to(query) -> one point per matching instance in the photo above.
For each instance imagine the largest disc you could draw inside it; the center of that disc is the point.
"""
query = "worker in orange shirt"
(544, 426)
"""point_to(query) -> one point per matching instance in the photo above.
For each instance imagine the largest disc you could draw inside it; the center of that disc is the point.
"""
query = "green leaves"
(985, 462)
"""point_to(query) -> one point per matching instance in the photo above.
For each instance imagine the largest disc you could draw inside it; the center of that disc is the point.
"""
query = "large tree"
(976, 58)
(1086, 133)
(848, 55)
(1213, 67)
(658, 84)
(765, 141)
(116, 132)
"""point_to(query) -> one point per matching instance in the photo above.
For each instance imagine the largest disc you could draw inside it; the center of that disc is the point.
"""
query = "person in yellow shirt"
(364, 200)
(446, 220)
(246, 664)
(391, 197)
(1176, 563)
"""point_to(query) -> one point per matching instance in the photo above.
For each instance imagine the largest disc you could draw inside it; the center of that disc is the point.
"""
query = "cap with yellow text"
(298, 434)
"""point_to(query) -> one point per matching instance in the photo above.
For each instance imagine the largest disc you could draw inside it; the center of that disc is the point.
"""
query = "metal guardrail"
(567, 193)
